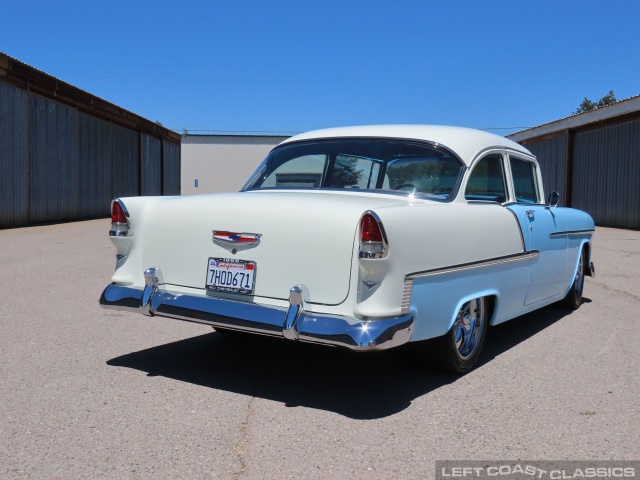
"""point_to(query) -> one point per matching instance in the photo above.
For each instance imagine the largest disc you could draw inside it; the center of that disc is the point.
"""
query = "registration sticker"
(230, 275)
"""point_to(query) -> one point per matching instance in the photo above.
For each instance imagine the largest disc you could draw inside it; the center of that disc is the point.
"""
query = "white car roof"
(465, 142)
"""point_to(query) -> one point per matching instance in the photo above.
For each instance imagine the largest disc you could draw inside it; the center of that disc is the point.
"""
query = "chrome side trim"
(518, 257)
(405, 304)
(571, 232)
(292, 323)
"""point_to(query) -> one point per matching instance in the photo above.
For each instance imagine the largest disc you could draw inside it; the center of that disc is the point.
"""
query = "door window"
(524, 180)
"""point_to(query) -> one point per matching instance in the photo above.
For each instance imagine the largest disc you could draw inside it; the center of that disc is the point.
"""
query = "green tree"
(588, 105)
(607, 99)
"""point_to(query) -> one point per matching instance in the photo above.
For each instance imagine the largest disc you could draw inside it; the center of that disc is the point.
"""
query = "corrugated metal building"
(593, 161)
(65, 153)
(222, 163)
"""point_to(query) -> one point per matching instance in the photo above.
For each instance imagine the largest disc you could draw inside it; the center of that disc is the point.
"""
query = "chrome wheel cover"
(468, 328)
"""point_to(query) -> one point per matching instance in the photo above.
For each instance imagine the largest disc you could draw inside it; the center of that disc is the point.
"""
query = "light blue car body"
(556, 234)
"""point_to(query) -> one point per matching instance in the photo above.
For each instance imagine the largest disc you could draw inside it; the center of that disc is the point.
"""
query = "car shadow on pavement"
(356, 385)
(507, 335)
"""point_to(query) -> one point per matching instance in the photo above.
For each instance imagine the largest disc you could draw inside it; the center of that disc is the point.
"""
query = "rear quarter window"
(486, 181)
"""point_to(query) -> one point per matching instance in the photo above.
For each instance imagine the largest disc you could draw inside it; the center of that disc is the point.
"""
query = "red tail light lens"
(117, 214)
(120, 226)
(373, 242)
(369, 229)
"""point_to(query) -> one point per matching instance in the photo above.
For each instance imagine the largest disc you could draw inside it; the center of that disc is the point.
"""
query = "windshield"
(361, 164)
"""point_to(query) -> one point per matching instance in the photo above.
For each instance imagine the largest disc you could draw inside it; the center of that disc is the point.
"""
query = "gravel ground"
(91, 393)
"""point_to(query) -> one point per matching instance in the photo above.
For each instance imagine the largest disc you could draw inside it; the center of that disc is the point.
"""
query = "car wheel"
(459, 349)
(573, 300)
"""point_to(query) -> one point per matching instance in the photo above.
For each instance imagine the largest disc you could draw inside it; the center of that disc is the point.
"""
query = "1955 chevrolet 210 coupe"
(360, 237)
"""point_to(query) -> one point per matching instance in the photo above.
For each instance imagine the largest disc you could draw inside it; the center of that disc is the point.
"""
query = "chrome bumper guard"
(292, 323)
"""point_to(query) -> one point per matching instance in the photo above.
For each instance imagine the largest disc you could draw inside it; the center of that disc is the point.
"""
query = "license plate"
(231, 276)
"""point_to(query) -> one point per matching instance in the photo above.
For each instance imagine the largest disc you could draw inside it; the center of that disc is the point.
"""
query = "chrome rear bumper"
(292, 323)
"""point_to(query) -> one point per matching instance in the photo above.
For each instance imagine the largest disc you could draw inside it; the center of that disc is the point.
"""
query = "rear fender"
(129, 270)
(574, 258)
(491, 292)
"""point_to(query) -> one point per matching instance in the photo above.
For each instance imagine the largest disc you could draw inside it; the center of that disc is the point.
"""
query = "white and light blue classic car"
(361, 237)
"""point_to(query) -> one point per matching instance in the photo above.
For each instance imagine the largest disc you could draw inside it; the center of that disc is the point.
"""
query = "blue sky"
(284, 66)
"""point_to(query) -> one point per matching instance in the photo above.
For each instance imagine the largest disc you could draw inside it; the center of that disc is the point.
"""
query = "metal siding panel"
(14, 156)
(95, 158)
(552, 154)
(126, 162)
(170, 168)
(151, 170)
(221, 163)
(606, 174)
(54, 160)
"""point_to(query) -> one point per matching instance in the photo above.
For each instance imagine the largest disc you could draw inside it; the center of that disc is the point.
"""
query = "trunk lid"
(306, 238)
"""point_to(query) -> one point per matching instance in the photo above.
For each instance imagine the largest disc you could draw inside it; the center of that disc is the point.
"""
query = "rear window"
(360, 164)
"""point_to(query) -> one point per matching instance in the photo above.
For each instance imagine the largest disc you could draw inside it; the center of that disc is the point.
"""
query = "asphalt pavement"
(92, 393)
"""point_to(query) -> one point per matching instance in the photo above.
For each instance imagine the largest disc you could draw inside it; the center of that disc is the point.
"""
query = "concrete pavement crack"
(611, 289)
(240, 448)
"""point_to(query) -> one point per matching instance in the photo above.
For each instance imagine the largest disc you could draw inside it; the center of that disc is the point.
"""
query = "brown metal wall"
(151, 166)
(606, 174)
(170, 168)
(552, 154)
(60, 163)
(126, 162)
(597, 161)
(14, 156)
(95, 167)
(54, 161)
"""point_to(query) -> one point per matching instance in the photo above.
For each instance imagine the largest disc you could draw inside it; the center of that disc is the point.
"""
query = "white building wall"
(221, 163)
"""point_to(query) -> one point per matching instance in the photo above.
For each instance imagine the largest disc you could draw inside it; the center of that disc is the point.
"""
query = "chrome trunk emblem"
(224, 236)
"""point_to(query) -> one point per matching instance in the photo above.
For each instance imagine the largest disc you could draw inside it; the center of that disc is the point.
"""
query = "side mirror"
(554, 198)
